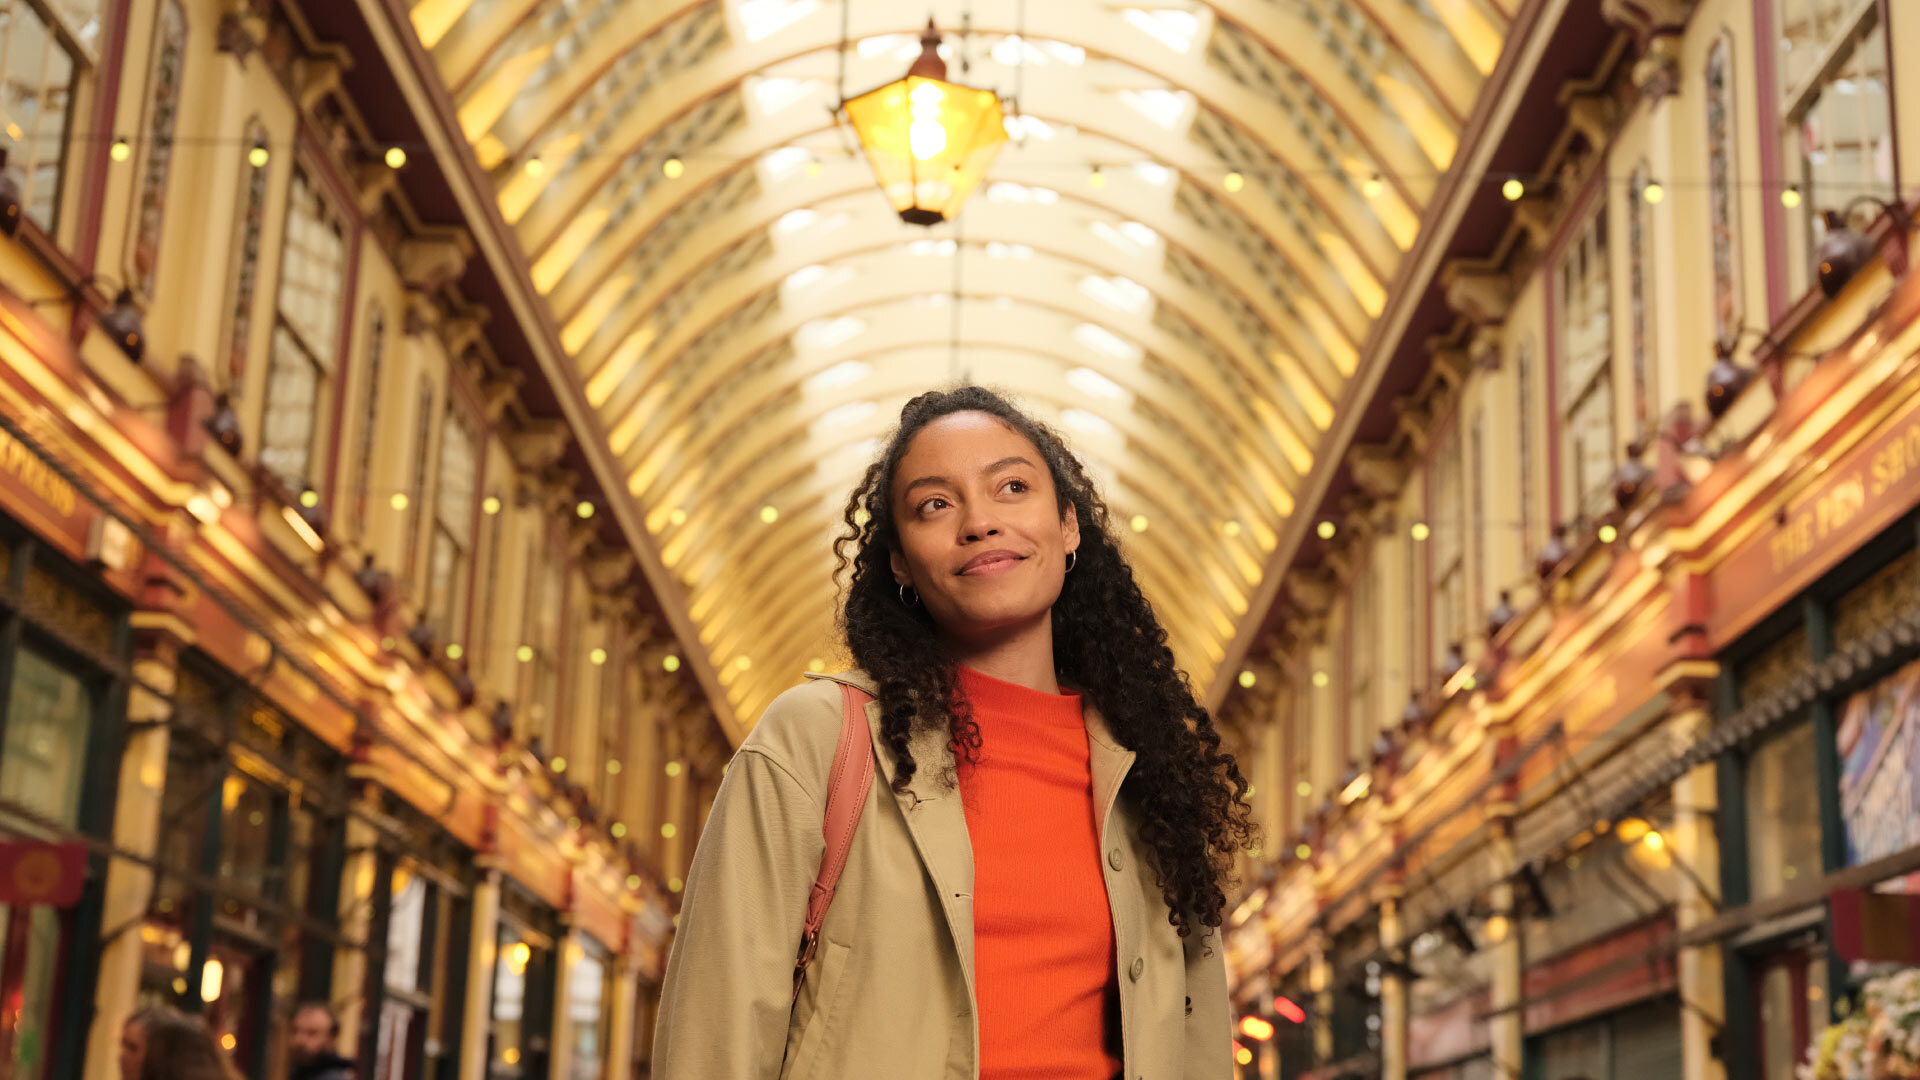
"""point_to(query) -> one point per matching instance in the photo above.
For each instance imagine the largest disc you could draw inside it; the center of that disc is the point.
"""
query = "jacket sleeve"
(727, 995)
(1209, 1042)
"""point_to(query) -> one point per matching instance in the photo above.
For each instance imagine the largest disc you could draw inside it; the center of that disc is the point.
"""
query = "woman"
(163, 1043)
(1045, 902)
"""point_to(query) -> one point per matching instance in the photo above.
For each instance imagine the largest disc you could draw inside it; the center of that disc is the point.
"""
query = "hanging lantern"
(929, 141)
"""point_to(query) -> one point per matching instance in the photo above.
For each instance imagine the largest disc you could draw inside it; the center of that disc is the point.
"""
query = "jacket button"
(1139, 965)
(1113, 858)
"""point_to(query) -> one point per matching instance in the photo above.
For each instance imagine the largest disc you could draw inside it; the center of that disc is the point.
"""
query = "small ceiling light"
(1234, 182)
(396, 157)
(673, 168)
(671, 663)
(743, 663)
(455, 652)
(617, 830)
(1303, 789)
(1139, 523)
(1790, 198)
(523, 654)
(669, 830)
(258, 156)
(398, 501)
(559, 764)
(584, 509)
(633, 880)
(1513, 189)
(673, 769)
(1653, 192)
(678, 517)
(814, 168)
(1608, 534)
(1248, 678)
(490, 505)
(1096, 179)
(1496, 928)
(1654, 841)
(1373, 186)
(674, 885)
(535, 168)
(122, 150)
(613, 767)
(1421, 531)
(1325, 530)
(1320, 678)
(816, 665)
(597, 657)
(1303, 852)
(1231, 528)
(309, 498)
(769, 514)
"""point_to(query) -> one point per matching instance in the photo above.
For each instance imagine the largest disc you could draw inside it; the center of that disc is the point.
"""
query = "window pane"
(1878, 738)
(49, 716)
(1783, 814)
(443, 564)
(313, 273)
(404, 928)
(454, 501)
(509, 999)
(1590, 438)
(1808, 28)
(586, 1008)
(24, 1023)
(293, 394)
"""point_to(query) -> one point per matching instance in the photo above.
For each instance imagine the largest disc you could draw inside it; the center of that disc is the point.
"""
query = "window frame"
(1589, 243)
(305, 176)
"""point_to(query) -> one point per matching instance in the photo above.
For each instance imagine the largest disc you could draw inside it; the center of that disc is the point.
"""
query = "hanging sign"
(35, 872)
(1875, 927)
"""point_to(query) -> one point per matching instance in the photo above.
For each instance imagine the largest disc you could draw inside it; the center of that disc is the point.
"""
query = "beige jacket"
(890, 995)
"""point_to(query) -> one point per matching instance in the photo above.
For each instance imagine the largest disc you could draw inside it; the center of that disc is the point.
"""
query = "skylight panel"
(838, 377)
(847, 415)
(816, 277)
(931, 247)
(1006, 191)
(1086, 423)
(998, 250)
(1171, 27)
(1152, 172)
(794, 220)
(1117, 292)
(1164, 107)
(1094, 384)
(771, 95)
(761, 18)
(1105, 342)
(781, 163)
(823, 334)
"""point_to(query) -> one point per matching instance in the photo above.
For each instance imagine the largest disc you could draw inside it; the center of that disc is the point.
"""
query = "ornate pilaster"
(1696, 840)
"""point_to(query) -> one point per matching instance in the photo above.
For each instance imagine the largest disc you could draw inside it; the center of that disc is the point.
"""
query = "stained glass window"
(1448, 525)
(453, 522)
(1523, 373)
(1586, 374)
(246, 256)
(1720, 199)
(293, 400)
(369, 415)
(1639, 281)
(422, 443)
(163, 113)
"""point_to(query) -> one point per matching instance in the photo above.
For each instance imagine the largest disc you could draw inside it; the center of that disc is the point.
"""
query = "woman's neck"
(1020, 655)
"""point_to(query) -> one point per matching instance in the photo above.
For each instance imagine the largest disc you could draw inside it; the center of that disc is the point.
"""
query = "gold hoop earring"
(904, 602)
(1072, 558)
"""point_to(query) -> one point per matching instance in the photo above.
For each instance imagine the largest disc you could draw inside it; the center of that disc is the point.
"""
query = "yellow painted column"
(483, 944)
(1694, 839)
(1320, 981)
(357, 876)
(136, 826)
(1393, 990)
(1505, 1030)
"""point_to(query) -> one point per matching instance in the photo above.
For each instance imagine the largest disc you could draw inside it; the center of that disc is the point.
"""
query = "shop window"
(404, 1011)
(369, 414)
(1783, 814)
(1878, 738)
(1839, 132)
(40, 69)
(452, 542)
(1891, 592)
(1586, 374)
(29, 960)
(48, 722)
(163, 114)
(522, 1001)
(587, 1010)
(1792, 999)
(1775, 666)
(313, 279)
(245, 279)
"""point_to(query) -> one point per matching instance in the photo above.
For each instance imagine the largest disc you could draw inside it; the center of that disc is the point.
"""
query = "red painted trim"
(1773, 216)
(93, 187)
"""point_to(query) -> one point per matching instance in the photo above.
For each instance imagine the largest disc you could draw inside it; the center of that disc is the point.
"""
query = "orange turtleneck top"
(1043, 934)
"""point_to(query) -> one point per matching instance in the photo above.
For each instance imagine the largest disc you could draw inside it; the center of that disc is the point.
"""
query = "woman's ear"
(1070, 529)
(901, 574)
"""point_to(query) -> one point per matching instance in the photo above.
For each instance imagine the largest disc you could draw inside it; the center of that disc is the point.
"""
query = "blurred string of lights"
(1370, 183)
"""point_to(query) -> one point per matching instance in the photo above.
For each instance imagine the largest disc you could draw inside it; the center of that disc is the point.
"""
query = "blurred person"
(163, 1043)
(1038, 879)
(313, 1045)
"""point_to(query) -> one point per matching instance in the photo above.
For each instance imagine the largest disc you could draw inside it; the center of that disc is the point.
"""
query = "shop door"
(1791, 998)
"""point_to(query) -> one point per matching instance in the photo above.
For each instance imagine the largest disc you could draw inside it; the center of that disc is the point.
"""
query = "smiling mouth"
(993, 563)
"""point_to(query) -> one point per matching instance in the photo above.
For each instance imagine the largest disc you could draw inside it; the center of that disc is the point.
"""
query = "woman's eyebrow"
(941, 481)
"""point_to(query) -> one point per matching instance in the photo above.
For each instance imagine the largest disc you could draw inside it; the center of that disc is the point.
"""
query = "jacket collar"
(1096, 724)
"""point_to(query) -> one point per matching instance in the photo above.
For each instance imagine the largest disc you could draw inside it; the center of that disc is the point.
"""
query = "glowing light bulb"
(1513, 189)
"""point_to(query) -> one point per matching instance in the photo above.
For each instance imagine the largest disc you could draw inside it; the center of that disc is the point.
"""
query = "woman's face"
(133, 1049)
(982, 539)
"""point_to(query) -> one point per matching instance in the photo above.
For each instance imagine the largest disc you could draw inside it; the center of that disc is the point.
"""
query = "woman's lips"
(993, 562)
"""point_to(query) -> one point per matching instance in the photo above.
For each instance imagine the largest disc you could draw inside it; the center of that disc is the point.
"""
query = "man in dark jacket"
(313, 1044)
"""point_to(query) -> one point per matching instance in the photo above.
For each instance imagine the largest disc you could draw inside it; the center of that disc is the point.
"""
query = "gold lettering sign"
(36, 476)
(1892, 465)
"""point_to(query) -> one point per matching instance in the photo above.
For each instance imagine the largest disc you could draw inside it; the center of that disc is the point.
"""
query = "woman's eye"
(1017, 486)
(929, 504)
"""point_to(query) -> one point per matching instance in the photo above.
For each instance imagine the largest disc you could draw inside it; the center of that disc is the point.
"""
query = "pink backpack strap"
(848, 786)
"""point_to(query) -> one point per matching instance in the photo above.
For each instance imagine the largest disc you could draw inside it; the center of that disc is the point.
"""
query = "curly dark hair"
(1107, 644)
(180, 1047)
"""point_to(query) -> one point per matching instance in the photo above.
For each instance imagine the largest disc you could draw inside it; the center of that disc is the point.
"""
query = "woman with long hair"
(1039, 873)
(163, 1043)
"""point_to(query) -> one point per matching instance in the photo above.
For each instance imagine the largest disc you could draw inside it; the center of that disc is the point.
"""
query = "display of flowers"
(1881, 1041)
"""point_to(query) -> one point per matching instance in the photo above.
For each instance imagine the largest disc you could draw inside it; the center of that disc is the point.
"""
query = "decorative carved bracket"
(1379, 471)
(429, 262)
(500, 389)
(1657, 73)
(461, 332)
(1593, 116)
(1648, 19)
(539, 444)
(606, 571)
(372, 183)
(319, 76)
(1477, 291)
(1484, 350)
(1535, 214)
(1312, 591)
